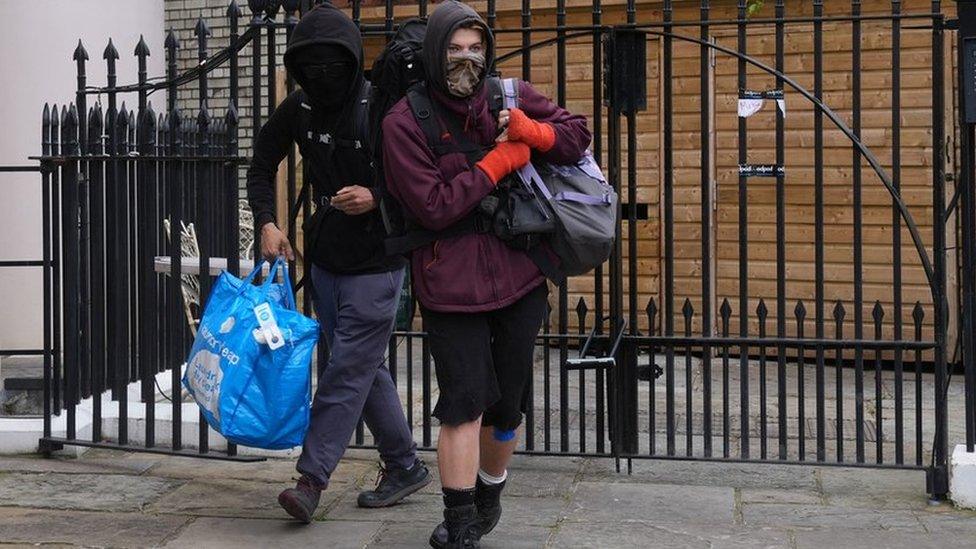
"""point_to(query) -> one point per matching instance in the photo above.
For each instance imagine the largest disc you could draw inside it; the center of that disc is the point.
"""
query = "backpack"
(396, 69)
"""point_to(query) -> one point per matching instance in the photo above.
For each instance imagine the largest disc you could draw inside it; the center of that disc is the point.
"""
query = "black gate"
(740, 318)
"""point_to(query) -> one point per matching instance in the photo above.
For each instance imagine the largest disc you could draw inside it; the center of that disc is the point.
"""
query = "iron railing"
(736, 361)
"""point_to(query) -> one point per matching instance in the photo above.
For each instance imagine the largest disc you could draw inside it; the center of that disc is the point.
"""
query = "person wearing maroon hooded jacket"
(482, 301)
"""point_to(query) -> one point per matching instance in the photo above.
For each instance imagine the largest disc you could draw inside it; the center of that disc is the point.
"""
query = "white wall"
(37, 39)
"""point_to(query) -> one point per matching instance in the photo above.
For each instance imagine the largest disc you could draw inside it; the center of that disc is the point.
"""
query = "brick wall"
(182, 17)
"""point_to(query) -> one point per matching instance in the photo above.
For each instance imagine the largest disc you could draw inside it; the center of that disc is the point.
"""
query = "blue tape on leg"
(504, 435)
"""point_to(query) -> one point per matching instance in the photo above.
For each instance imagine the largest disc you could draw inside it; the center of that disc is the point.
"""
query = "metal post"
(938, 485)
(967, 124)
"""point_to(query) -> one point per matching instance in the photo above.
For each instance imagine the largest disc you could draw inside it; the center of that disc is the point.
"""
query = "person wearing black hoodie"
(355, 284)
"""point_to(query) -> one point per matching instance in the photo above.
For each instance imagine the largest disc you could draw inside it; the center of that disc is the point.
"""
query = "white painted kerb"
(962, 477)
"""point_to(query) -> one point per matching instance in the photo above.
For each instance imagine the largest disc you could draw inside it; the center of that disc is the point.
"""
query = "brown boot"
(301, 501)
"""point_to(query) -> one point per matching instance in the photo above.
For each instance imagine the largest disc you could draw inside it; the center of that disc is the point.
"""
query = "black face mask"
(325, 73)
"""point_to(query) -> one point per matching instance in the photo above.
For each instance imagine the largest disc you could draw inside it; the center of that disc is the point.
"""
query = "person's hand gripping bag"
(249, 367)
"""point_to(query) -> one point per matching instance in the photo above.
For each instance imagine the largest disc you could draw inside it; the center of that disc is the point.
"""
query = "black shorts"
(483, 361)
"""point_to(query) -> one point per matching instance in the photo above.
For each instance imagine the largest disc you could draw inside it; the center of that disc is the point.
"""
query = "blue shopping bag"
(249, 368)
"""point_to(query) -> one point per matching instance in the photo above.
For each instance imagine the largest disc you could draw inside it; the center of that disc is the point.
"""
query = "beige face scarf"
(464, 71)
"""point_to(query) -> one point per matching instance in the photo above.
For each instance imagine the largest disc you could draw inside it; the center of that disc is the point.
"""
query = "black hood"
(327, 24)
(446, 19)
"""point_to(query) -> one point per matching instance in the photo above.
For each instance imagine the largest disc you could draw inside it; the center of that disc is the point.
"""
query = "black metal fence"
(680, 374)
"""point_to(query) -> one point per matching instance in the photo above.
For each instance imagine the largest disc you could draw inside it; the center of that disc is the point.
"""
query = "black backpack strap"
(418, 238)
(423, 112)
(496, 95)
(430, 118)
(360, 138)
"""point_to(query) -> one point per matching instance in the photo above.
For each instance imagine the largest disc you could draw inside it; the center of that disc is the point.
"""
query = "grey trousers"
(357, 315)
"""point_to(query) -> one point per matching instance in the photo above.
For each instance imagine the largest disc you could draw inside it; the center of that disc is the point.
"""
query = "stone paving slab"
(84, 492)
(829, 516)
(651, 534)
(280, 471)
(74, 465)
(946, 519)
(661, 503)
(702, 473)
(213, 533)
(94, 529)
(867, 539)
(414, 536)
(874, 488)
(231, 498)
(764, 495)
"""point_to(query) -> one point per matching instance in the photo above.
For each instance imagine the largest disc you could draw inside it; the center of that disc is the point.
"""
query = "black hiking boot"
(394, 484)
(460, 529)
(487, 499)
(301, 501)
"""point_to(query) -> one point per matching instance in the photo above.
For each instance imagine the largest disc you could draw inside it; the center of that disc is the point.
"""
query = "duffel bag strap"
(570, 196)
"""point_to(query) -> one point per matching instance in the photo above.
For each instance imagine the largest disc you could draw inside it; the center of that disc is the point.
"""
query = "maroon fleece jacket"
(474, 272)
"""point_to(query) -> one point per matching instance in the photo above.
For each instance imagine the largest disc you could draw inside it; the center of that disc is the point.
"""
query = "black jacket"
(335, 241)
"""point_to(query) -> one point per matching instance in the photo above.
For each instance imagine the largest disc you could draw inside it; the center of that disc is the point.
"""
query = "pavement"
(114, 499)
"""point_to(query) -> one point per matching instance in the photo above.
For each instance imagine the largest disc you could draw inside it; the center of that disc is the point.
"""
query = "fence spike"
(203, 120)
(272, 9)
(234, 10)
(651, 308)
(725, 310)
(201, 29)
(95, 127)
(257, 8)
(761, 310)
(147, 127)
(46, 130)
(80, 54)
(290, 5)
(110, 52)
(581, 309)
(132, 130)
(878, 312)
(142, 50)
(800, 311)
(122, 126)
(839, 311)
(687, 309)
(918, 312)
(231, 117)
(171, 42)
(70, 130)
(55, 130)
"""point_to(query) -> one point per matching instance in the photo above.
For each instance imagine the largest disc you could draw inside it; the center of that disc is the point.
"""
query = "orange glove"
(538, 135)
(504, 159)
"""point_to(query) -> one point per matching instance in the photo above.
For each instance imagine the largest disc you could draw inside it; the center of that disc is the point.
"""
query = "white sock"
(489, 479)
